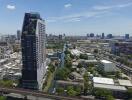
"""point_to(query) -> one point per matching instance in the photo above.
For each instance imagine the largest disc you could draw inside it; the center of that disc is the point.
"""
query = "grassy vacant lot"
(2, 98)
(50, 77)
(6, 83)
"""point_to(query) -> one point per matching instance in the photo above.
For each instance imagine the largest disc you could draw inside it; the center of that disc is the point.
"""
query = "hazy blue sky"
(70, 16)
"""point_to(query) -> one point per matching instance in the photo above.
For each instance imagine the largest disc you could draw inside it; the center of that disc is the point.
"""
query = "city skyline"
(86, 16)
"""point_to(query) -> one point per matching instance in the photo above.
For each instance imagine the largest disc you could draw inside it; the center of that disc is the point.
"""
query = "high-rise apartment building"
(33, 40)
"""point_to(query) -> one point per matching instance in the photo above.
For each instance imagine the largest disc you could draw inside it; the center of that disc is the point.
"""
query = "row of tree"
(3, 98)
(6, 83)
(103, 94)
(70, 91)
(63, 72)
(124, 61)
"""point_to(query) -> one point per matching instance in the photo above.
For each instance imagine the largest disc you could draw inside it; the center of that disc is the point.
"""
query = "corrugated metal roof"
(103, 80)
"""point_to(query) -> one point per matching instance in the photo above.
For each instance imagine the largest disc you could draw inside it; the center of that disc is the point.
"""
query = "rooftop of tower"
(35, 15)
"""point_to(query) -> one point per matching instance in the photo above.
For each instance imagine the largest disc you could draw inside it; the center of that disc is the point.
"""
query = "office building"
(103, 36)
(121, 47)
(91, 34)
(109, 36)
(126, 36)
(33, 51)
(60, 37)
(87, 35)
(18, 35)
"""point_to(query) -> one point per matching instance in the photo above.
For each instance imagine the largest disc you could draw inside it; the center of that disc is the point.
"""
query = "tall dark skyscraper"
(126, 36)
(18, 35)
(33, 51)
(109, 36)
(91, 34)
(103, 36)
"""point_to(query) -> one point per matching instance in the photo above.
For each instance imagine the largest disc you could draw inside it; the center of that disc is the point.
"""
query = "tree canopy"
(129, 92)
(103, 93)
(6, 83)
(86, 83)
(60, 90)
(2, 98)
(71, 91)
(95, 51)
(62, 73)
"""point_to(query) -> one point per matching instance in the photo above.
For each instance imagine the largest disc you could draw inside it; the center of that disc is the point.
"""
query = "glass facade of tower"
(33, 51)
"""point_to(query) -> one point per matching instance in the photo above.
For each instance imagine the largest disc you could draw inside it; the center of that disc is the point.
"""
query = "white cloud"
(102, 7)
(124, 5)
(73, 20)
(97, 11)
(11, 7)
(68, 5)
(111, 7)
(51, 20)
(78, 16)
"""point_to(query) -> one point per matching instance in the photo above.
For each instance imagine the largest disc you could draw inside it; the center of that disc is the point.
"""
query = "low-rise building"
(126, 83)
(101, 80)
(107, 66)
(90, 56)
(111, 87)
(61, 83)
(77, 76)
(108, 84)
(75, 52)
(83, 61)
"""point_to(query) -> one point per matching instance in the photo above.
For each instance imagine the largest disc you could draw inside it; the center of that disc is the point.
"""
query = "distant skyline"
(72, 17)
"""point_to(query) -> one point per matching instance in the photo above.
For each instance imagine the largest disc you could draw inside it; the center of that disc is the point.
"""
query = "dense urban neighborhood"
(86, 67)
(66, 50)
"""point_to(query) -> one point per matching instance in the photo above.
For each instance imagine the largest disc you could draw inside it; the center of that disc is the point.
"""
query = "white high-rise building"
(33, 41)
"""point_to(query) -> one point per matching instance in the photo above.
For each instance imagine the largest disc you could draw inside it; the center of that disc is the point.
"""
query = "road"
(35, 93)
(127, 70)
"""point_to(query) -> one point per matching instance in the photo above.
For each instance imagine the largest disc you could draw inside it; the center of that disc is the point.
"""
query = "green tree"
(2, 98)
(80, 65)
(96, 51)
(68, 61)
(68, 64)
(90, 69)
(117, 74)
(60, 90)
(90, 65)
(72, 56)
(16, 48)
(6, 83)
(87, 86)
(78, 90)
(51, 68)
(74, 46)
(67, 52)
(103, 93)
(71, 91)
(129, 92)
(62, 73)
(109, 97)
